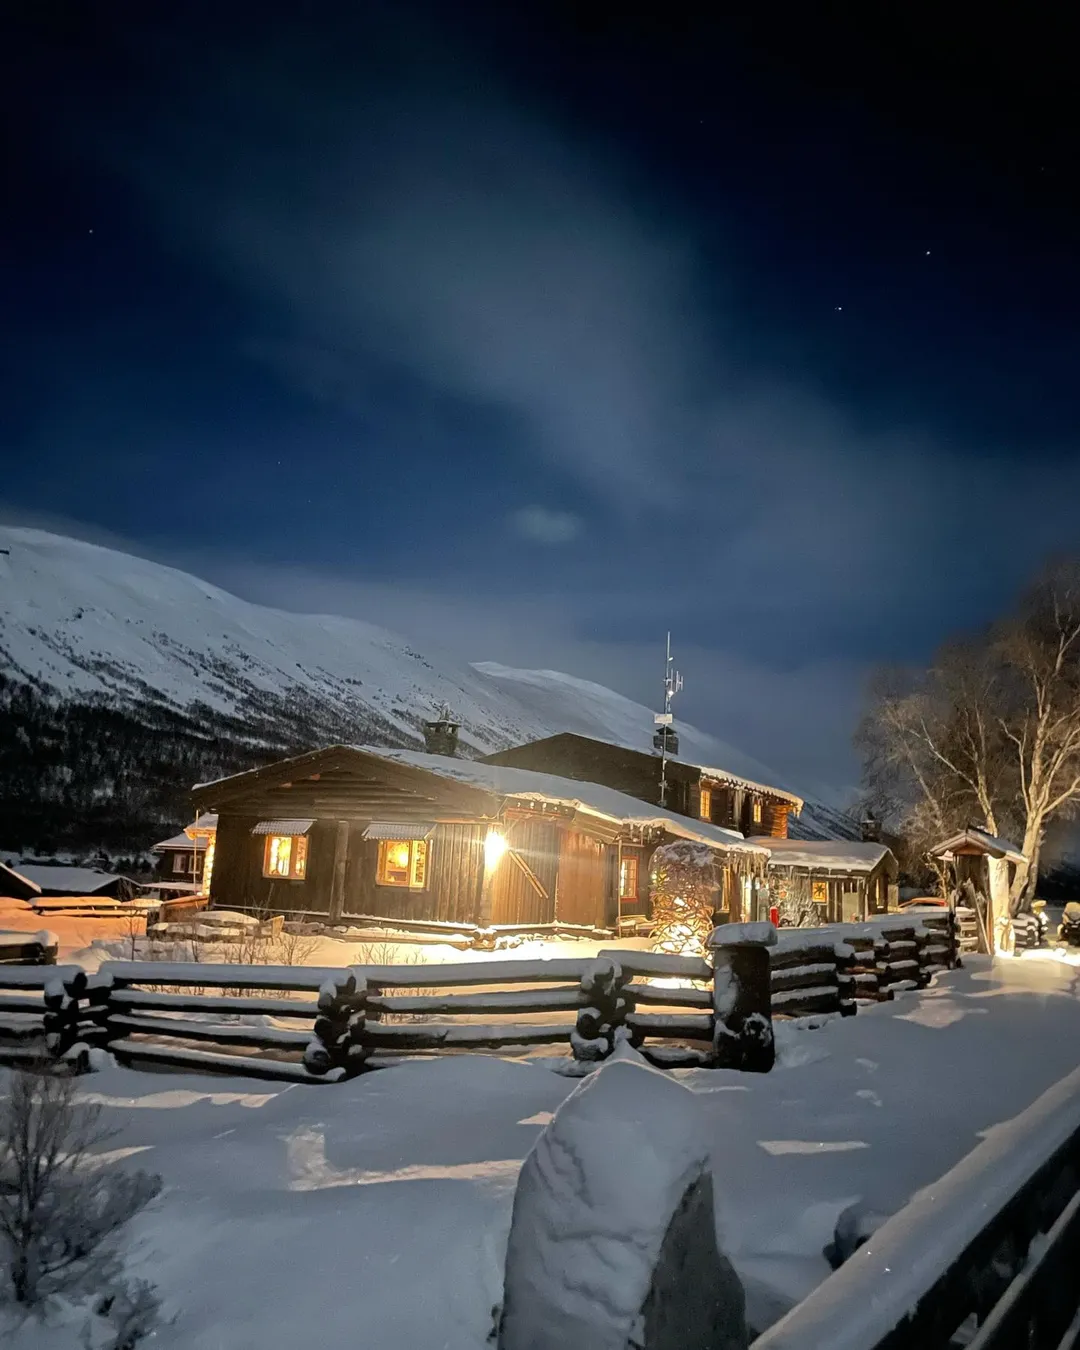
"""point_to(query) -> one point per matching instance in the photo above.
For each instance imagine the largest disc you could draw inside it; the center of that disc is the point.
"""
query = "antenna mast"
(673, 683)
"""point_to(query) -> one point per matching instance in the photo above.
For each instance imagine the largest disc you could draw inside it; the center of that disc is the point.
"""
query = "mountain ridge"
(113, 666)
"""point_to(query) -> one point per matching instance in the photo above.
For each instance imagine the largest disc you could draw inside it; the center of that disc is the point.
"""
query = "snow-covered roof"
(530, 785)
(972, 837)
(7, 870)
(184, 841)
(206, 824)
(838, 855)
(72, 880)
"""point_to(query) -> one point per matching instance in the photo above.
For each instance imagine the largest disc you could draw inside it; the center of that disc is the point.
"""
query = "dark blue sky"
(535, 330)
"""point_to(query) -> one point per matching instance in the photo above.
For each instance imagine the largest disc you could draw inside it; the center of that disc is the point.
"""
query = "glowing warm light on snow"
(495, 846)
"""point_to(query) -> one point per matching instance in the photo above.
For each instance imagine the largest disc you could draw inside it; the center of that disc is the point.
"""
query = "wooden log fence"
(320, 1025)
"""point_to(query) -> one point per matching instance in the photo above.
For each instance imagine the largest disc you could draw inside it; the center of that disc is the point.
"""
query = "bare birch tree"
(990, 733)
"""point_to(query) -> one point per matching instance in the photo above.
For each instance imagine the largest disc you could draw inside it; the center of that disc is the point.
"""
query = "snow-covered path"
(375, 1212)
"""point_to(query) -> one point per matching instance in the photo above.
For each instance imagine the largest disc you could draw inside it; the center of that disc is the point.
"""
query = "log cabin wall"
(584, 895)
(586, 761)
(237, 881)
(524, 884)
(452, 881)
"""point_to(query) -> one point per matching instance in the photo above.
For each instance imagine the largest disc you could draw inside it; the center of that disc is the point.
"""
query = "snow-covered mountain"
(84, 626)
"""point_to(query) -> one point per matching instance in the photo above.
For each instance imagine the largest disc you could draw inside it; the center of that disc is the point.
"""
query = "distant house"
(434, 842)
(180, 858)
(53, 880)
(839, 881)
(15, 886)
(701, 791)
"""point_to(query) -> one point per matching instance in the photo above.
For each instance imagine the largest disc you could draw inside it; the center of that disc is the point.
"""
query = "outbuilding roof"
(981, 841)
(831, 855)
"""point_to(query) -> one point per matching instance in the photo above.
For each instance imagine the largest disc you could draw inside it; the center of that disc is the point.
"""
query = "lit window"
(628, 878)
(285, 856)
(179, 862)
(706, 803)
(755, 810)
(819, 892)
(402, 862)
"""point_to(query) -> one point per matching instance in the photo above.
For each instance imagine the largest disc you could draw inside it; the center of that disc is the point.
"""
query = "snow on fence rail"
(993, 1242)
(321, 1024)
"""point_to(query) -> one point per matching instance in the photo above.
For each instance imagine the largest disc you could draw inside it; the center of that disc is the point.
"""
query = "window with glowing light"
(706, 803)
(285, 856)
(628, 879)
(402, 862)
(819, 892)
(755, 811)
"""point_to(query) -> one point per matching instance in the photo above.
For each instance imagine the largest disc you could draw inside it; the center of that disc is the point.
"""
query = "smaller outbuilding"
(55, 880)
(830, 880)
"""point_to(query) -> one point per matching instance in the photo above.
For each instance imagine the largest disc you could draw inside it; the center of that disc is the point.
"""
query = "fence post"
(845, 978)
(742, 996)
(603, 1012)
(332, 1040)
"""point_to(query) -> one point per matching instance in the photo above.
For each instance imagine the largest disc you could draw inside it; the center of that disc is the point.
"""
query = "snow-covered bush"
(685, 896)
(61, 1209)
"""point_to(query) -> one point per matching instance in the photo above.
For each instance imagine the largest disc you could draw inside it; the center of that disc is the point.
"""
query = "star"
(928, 253)
(839, 308)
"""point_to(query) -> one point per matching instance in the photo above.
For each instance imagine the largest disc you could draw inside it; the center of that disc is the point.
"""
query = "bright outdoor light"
(495, 846)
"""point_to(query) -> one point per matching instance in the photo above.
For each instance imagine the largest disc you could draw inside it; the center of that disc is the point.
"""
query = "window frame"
(298, 857)
(179, 863)
(815, 886)
(705, 803)
(633, 862)
(757, 810)
(416, 870)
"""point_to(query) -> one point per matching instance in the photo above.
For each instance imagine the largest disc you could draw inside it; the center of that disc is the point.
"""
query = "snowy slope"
(83, 621)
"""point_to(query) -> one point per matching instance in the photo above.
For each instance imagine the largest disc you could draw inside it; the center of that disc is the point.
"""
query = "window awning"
(284, 827)
(399, 830)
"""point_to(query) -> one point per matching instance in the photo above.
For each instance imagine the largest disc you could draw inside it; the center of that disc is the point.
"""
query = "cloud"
(534, 319)
(543, 526)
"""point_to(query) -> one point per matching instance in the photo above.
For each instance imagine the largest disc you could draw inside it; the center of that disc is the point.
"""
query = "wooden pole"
(337, 885)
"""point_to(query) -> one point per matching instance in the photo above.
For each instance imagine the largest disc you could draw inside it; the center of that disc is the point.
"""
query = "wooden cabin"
(702, 793)
(830, 881)
(180, 858)
(425, 841)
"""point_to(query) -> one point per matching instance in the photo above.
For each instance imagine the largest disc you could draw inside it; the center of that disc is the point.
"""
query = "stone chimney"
(441, 736)
(871, 829)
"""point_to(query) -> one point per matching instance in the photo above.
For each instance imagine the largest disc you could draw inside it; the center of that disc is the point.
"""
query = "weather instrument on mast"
(665, 737)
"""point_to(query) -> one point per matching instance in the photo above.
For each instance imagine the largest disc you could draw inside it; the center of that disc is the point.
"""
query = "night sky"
(533, 331)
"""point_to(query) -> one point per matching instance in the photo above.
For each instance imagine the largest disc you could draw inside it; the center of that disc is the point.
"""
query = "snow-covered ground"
(376, 1212)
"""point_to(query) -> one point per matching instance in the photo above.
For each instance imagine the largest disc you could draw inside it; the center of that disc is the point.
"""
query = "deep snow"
(376, 1212)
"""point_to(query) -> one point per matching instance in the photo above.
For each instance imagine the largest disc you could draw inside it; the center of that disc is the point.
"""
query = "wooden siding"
(585, 881)
(523, 887)
(451, 892)
(237, 881)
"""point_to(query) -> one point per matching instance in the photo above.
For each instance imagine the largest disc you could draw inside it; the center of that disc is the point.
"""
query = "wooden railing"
(308, 1024)
(990, 1248)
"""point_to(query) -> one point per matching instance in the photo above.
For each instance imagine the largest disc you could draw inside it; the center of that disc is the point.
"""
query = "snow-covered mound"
(84, 623)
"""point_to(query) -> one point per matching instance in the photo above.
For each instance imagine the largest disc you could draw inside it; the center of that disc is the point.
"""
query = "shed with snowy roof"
(831, 880)
(422, 841)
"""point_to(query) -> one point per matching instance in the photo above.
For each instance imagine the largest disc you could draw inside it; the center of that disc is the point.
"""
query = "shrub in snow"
(685, 894)
(613, 1239)
(60, 1209)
